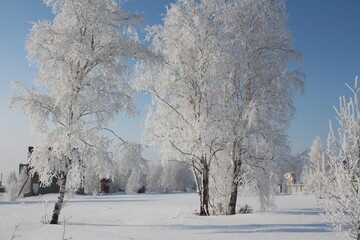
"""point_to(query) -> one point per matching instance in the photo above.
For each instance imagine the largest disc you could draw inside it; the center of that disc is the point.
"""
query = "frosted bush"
(341, 183)
(12, 187)
(44, 218)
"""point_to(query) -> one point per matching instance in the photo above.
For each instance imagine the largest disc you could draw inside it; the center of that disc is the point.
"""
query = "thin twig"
(15, 228)
(117, 136)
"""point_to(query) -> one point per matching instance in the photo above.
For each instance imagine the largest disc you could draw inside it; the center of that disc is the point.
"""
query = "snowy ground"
(154, 216)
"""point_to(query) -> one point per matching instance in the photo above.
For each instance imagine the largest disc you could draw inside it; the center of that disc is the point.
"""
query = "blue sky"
(327, 32)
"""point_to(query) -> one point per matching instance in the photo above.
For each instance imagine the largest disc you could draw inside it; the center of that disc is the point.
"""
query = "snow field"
(157, 216)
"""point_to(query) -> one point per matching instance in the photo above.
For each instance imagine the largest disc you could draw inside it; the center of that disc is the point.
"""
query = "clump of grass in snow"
(44, 218)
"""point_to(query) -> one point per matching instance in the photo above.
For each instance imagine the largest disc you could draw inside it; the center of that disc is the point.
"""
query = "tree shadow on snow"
(23, 202)
(78, 201)
(223, 229)
(265, 228)
(110, 201)
(302, 211)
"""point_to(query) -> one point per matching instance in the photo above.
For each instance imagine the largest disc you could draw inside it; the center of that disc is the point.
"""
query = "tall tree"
(317, 167)
(341, 191)
(260, 88)
(132, 167)
(185, 87)
(316, 155)
(223, 87)
(83, 59)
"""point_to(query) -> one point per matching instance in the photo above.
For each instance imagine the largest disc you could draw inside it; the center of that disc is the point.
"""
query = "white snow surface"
(160, 216)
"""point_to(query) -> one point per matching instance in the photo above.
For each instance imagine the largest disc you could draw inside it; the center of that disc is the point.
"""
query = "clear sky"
(327, 32)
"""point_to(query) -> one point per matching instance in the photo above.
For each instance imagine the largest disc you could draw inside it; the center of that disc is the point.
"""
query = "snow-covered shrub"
(177, 176)
(91, 180)
(316, 169)
(133, 183)
(341, 191)
(261, 184)
(154, 177)
(131, 168)
(12, 187)
(246, 209)
(44, 218)
(169, 176)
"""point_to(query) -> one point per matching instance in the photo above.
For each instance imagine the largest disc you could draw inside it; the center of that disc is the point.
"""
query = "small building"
(105, 185)
(290, 185)
(2, 188)
(31, 185)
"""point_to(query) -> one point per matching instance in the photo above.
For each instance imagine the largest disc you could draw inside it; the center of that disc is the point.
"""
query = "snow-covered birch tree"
(223, 87)
(164, 177)
(259, 91)
(184, 85)
(154, 176)
(342, 181)
(83, 59)
(316, 155)
(317, 168)
(131, 167)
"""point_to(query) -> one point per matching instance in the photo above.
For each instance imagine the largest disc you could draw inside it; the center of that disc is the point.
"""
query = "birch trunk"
(233, 198)
(58, 204)
(235, 181)
(204, 194)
